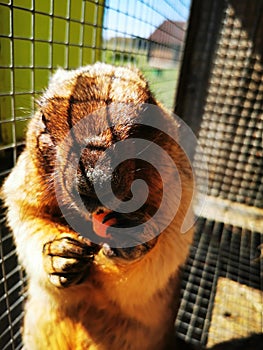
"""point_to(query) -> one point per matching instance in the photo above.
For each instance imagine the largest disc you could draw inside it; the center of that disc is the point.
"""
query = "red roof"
(169, 33)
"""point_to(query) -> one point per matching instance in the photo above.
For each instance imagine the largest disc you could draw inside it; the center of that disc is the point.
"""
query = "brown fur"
(111, 302)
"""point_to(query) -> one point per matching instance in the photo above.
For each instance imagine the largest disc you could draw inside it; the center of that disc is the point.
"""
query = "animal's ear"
(44, 143)
(45, 138)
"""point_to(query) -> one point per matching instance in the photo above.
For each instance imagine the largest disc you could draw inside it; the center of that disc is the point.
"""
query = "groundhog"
(100, 276)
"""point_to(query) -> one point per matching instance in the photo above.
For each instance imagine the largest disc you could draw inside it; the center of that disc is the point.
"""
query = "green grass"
(163, 84)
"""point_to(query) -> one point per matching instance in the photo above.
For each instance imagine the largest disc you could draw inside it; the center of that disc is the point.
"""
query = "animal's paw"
(67, 259)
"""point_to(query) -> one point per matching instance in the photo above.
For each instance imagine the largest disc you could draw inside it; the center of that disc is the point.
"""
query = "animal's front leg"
(67, 259)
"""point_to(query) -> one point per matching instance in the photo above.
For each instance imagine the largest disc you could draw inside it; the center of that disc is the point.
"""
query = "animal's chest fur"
(88, 324)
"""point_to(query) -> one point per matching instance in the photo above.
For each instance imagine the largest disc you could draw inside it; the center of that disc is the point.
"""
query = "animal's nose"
(95, 188)
(100, 179)
(101, 185)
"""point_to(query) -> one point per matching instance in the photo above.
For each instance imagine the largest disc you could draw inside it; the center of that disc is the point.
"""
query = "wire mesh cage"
(37, 37)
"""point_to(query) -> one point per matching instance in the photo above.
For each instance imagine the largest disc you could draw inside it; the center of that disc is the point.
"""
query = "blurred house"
(165, 44)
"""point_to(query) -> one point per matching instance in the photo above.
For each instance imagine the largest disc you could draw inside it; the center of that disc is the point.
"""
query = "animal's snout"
(101, 185)
(100, 179)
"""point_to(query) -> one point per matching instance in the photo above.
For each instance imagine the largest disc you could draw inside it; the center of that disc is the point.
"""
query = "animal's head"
(97, 139)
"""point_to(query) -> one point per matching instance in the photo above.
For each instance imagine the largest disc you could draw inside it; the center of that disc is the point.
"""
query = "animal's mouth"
(129, 242)
(102, 220)
(124, 235)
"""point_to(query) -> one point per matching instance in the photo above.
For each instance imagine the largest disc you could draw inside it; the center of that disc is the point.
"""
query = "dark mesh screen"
(220, 96)
(231, 133)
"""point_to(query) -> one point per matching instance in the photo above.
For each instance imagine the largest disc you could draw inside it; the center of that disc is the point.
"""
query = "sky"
(141, 17)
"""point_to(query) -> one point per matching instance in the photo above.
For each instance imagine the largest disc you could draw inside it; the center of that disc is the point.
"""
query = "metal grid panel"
(11, 299)
(37, 37)
(231, 133)
(218, 250)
